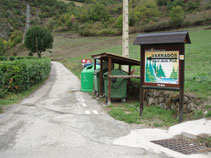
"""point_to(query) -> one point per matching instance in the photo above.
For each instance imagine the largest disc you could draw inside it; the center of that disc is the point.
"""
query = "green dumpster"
(87, 78)
(97, 80)
(118, 85)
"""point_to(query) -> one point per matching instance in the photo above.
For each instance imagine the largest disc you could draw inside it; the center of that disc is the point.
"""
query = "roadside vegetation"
(19, 74)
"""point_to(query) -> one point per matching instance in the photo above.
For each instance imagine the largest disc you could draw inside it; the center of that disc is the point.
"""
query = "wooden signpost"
(162, 63)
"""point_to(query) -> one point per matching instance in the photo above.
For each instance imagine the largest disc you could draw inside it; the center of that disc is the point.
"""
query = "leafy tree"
(94, 12)
(174, 3)
(15, 38)
(177, 15)
(119, 23)
(38, 39)
(146, 11)
(192, 5)
(162, 2)
(51, 24)
(15, 34)
(2, 48)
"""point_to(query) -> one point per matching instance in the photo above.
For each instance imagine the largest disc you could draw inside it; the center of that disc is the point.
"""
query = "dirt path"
(60, 121)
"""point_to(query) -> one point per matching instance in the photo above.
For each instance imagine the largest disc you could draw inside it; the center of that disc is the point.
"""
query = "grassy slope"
(197, 63)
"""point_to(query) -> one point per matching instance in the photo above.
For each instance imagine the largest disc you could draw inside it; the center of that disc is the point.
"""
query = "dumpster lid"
(116, 59)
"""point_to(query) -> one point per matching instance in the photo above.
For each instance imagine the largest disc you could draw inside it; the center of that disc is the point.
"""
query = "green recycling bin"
(97, 80)
(87, 78)
(118, 85)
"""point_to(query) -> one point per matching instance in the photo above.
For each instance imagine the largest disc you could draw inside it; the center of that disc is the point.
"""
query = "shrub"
(95, 12)
(175, 3)
(3, 92)
(15, 38)
(3, 58)
(177, 15)
(192, 5)
(146, 11)
(15, 34)
(119, 23)
(12, 58)
(162, 2)
(2, 48)
(20, 75)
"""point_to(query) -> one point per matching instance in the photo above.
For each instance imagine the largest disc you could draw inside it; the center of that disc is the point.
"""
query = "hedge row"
(12, 58)
(19, 75)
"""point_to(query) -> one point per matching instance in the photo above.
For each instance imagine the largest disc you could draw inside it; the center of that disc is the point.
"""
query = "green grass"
(16, 98)
(152, 116)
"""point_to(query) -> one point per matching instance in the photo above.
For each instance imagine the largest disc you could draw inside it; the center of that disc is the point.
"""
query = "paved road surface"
(59, 121)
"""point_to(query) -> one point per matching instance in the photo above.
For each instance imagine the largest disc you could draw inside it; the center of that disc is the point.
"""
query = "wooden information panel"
(162, 63)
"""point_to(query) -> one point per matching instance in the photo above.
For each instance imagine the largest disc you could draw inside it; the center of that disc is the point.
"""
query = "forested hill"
(102, 17)
(13, 13)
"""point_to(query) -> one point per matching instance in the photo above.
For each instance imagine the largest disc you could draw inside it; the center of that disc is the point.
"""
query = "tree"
(2, 48)
(177, 15)
(38, 39)
(119, 23)
(146, 11)
(162, 2)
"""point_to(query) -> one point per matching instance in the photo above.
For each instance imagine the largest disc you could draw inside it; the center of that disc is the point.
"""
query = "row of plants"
(12, 58)
(19, 75)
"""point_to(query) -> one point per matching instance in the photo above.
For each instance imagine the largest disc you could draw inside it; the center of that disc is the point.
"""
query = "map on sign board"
(161, 67)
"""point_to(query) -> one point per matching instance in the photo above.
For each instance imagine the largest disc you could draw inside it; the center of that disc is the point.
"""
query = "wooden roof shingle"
(163, 38)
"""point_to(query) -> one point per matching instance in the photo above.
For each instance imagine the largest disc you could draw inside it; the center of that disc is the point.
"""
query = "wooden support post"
(93, 77)
(129, 73)
(120, 67)
(181, 105)
(101, 78)
(142, 81)
(182, 76)
(109, 80)
(95, 64)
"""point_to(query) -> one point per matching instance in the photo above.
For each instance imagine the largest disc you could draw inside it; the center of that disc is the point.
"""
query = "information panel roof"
(163, 38)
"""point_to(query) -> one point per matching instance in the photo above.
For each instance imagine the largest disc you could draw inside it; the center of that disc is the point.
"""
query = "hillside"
(13, 13)
(99, 17)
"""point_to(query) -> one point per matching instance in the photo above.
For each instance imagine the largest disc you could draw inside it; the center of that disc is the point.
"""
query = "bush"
(3, 93)
(2, 48)
(146, 11)
(119, 23)
(177, 15)
(3, 58)
(19, 75)
(175, 3)
(192, 5)
(95, 12)
(15, 38)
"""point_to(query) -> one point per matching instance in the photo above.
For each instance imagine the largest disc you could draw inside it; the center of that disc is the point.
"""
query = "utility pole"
(125, 32)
